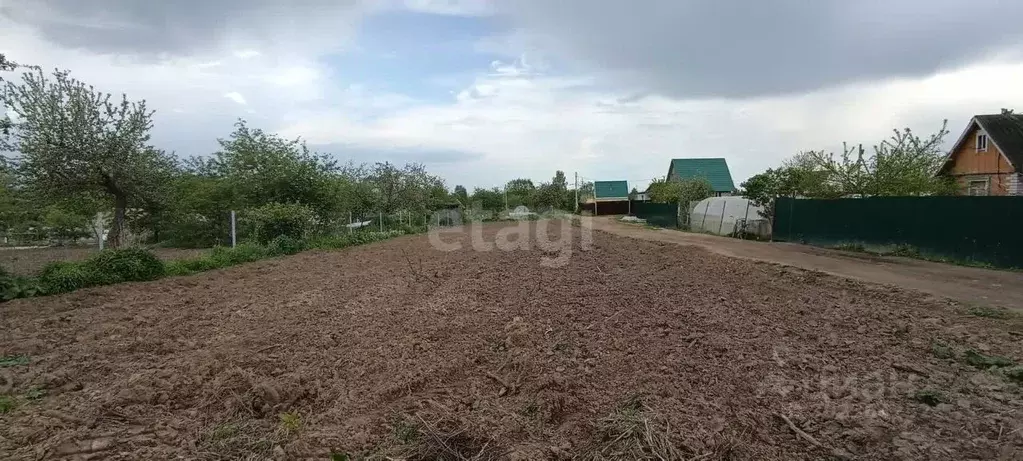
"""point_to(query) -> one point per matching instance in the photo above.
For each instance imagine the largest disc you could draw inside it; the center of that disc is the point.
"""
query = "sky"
(484, 91)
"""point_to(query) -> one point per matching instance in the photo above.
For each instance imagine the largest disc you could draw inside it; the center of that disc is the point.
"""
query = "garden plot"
(397, 350)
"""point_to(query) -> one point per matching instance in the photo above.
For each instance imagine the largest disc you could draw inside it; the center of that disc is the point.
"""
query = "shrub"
(178, 267)
(246, 252)
(22, 287)
(276, 219)
(64, 276)
(126, 265)
(285, 245)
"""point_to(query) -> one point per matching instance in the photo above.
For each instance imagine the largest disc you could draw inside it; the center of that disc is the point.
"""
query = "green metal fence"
(657, 214)
(977, 229)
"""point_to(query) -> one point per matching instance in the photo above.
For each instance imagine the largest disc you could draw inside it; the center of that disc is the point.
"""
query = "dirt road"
(966, 284)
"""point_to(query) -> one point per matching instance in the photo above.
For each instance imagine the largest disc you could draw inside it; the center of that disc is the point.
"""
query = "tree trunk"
(115, 237)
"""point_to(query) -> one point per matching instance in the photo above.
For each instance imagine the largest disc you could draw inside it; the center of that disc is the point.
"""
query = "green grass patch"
(985, 361)
(7, 404)
(942, 350)
(990, 312)
(135, 264)
(1014, 373)
(13, 360)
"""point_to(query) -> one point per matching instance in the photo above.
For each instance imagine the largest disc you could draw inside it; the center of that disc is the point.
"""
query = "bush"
(14, 287)
(178, 267)
(246, 252)
(63, 276)
(276, 219)
(285, 245)
(126, 265)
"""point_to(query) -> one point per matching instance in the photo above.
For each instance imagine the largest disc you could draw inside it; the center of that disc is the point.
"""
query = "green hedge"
(136, 264)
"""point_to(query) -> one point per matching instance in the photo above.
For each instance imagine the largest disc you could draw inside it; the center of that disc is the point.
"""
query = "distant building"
(714, 170)
(610, 197)
(988, 157)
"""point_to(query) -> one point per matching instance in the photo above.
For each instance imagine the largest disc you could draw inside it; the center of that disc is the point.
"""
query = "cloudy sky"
(483, 91)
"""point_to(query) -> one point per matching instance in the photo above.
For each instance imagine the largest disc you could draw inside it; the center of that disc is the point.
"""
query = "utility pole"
(576, 191)
(505, 196)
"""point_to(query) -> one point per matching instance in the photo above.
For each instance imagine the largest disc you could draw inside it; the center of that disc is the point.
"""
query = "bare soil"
(988, 287)
(383, 349)
(29, 261)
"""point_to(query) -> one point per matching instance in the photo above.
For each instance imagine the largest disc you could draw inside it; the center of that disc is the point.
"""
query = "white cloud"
(236, 97)
(516, 118)
(530, 125)
(246, 54)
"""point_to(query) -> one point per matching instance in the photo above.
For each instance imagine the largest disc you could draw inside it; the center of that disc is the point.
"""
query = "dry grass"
(636, 431)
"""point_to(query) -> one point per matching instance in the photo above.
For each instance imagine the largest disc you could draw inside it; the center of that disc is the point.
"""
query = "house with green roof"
(611, 197)
(714, 170)
(610, 191)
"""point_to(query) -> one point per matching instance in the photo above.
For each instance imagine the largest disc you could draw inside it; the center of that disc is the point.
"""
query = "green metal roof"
(611, 189)
(714, 170)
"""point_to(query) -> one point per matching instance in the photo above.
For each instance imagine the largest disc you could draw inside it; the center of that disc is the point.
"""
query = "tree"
(488, 199)
(261, 168)
(75, 140)
(680, 191)
(633, 194)
(520, 192)
(904, 164)
(461, 195)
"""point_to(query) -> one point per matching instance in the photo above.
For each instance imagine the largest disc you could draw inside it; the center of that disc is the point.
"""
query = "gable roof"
(1005, 131)
(611, 189)
(714, 170)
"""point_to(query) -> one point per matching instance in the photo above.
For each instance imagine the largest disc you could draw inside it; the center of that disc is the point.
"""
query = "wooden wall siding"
(970, 165)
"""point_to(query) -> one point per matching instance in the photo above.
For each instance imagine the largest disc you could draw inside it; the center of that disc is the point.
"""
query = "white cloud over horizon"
(536, 102)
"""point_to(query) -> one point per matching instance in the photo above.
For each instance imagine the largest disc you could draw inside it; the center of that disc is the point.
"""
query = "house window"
(981, 142)
(978, 187)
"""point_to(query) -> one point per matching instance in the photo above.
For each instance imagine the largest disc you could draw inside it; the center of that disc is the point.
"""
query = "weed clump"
(929, 397)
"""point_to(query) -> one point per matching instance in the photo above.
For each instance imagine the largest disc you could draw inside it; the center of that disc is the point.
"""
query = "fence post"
(381, 221)
(703, 224)
(722, 223)
(234, 233)
(745, 218)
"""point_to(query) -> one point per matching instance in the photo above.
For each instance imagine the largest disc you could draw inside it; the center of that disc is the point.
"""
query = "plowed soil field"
(397, 350)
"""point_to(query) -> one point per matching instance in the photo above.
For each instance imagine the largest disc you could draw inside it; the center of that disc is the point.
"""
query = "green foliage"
(275, 220)
(21, 287)
(35, 393)
(180, 267)
(680, 191)
(7, 404)
(290, 422)
(942, 350)
(125, 265)
(64, 225)
(1014, 373)
(904, 164)
(285, 245)
(259, 167)
(990, 312)
(980, 360)
(13, 360)
(75, 140)
(65, 276)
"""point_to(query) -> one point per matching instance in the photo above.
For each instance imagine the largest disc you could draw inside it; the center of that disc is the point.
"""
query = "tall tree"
(75, 140)
(262, 168)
